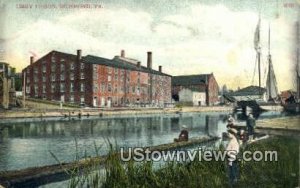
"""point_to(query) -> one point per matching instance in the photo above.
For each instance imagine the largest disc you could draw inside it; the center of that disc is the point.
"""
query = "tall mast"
(258, 50)
(269, 41)
(297, 60)
(258, 57)
(269, 58)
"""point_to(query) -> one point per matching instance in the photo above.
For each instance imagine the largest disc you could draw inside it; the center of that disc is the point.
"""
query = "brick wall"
(127, 86)
(213, 89)
(59, 75)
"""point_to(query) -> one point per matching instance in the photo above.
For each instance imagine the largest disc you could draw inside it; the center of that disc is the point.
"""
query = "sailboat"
(292, 104)
(260, 98)
(271, 100)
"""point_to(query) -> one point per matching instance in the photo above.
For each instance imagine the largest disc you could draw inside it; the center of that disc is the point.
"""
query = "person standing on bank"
(232, 150)
(250, 126)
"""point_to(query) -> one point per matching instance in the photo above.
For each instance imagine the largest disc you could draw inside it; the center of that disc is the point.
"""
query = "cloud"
(199, 39)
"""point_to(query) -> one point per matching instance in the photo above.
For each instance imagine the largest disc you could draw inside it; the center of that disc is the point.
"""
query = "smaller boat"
(256, 136)
(292, 107)
(241, 127)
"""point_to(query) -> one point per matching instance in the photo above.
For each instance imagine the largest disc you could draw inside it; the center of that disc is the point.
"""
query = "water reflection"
(28, 144)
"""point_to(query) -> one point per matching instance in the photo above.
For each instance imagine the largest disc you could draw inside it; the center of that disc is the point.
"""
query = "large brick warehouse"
(96, 81)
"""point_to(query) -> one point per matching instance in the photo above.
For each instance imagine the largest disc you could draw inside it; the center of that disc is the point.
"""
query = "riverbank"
(287, 126)
(281, 173)
(290, 123)
(75, 112)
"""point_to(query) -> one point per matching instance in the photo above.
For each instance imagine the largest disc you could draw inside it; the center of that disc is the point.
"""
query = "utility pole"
(297, 62)
(24, 89)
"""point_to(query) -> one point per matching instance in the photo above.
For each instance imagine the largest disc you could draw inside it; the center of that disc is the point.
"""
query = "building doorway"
(95, 102)
(62, 98)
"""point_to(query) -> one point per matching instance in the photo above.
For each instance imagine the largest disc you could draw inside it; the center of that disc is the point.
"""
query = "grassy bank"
(283, 173)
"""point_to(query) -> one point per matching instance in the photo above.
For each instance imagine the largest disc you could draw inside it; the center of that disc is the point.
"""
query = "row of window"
(115, 78)
(53, 77)
(108, 87)
(135, 90)
(116, 70)
(72, 67)
(53, 68)
(116, 100)
(82, 76)
(71, 99)
(54, 88)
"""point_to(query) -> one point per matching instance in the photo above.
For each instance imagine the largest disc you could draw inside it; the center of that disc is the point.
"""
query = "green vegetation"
(18, 83)
(183, 104)
(283, 173)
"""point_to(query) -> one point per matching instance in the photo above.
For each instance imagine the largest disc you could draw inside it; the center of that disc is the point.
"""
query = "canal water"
(28, 144)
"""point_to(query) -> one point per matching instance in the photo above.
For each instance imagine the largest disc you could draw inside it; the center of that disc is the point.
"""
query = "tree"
(18, 84)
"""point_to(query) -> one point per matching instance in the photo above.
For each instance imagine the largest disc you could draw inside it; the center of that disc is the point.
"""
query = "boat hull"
(256, 106)
(292, 107)
(271, 107)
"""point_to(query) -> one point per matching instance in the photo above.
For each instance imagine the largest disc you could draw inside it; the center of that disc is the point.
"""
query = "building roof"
(129, 60)
(250, 90)
(120, 63)
(64, 54)
(228, 97)
(71, 56)
(190, 79)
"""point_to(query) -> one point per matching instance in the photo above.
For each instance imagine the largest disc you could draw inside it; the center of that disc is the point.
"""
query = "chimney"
(78, 54)
(122, 53)
(149, 60)
(160, 68)
(31, 60)
(138, 64)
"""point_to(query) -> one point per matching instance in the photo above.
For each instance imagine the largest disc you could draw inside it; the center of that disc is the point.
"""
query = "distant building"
(190, 97)
(7, 85)
(249, 93)
(97, 81)
(198, 83)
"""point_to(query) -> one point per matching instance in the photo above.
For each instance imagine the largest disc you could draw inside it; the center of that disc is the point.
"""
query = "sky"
(185, 37)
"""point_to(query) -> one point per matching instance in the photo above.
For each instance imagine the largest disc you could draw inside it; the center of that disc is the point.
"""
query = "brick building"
(200, 83)
(96, 81)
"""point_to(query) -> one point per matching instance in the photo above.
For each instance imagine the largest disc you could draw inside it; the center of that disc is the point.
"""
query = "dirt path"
(75, 112)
